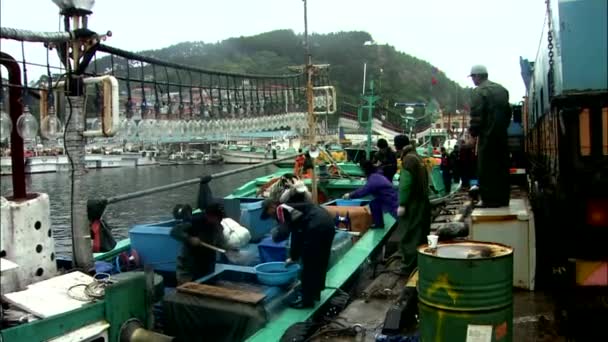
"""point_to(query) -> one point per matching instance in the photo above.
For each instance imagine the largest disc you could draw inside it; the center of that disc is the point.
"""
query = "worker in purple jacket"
(384, 193)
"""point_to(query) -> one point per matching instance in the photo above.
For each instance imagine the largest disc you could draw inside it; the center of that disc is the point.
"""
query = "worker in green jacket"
(414, 206)
(490, 118)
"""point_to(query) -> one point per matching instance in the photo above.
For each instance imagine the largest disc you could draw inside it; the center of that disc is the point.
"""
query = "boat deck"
(533, 318)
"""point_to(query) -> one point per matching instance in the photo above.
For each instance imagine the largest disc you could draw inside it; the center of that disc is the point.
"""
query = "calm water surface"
(109, 182)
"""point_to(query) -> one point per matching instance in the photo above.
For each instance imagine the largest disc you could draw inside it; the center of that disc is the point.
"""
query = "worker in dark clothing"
(414, 205)
(446, 171)
(196, 260)
(308, 165)
(466, 159)
(385, 195)
(386, 159)
(298, 167)
(312, 233)
(454, 161)
(101, 235)
(490, 118)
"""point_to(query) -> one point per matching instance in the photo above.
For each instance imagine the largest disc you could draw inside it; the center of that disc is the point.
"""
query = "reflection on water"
(110, 182)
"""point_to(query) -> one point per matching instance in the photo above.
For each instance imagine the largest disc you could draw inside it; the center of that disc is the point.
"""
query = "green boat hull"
(123, 301)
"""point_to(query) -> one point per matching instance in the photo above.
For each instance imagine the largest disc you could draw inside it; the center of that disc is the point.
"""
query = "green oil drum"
(465, 292)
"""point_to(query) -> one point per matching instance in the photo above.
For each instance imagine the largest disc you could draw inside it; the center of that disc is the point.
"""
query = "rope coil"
(94, 290)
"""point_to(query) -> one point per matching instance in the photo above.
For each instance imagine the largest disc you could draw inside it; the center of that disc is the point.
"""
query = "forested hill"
(403, 77)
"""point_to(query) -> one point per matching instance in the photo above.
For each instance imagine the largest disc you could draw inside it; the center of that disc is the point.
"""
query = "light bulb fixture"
(27, 126)
(51, 127)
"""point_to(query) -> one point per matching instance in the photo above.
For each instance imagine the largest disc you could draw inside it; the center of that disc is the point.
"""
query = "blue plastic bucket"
(276, 274)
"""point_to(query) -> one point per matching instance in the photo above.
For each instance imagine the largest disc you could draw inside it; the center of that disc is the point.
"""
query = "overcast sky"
(450, 34)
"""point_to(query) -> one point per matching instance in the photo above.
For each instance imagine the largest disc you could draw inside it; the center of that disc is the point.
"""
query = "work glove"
(288, 262)
(401, 211)
(194, 241)
(346, 196)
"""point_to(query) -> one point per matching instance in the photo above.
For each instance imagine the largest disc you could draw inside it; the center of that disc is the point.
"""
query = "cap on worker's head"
(478, 70)
(265, 204)
(401, 141)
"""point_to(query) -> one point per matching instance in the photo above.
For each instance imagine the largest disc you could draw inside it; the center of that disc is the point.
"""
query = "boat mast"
(82, 51)
(312, 122)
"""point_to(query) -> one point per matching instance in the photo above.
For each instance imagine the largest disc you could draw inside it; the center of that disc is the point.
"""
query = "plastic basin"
(276, 274)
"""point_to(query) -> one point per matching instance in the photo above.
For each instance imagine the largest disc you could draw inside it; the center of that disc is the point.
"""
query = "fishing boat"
(248, 154)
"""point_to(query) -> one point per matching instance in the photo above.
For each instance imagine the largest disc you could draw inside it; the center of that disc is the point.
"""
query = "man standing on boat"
(490, 118)
(446, 170)
(197, 260)
(386, 159)
(312, 234)
(414, 205)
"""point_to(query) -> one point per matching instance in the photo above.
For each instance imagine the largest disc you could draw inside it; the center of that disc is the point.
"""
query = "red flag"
(433, 80)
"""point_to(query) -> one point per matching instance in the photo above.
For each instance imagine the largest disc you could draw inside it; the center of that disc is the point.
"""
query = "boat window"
(246, 149)
(584, 138)
(232, 148)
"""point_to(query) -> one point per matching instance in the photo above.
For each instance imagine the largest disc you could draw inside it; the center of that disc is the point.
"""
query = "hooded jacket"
(304, 221)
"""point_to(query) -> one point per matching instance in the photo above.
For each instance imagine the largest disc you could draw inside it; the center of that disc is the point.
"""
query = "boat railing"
(207, 178)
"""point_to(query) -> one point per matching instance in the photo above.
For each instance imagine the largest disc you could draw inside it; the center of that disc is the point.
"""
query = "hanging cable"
(244, 100)
(144, 103)
(212, 110)
(230, 105)
(49, 97)
(271, 98)
(191, 97)
(235, 93)
(156, 98)
(169, 109)
(219, 90)
(181, 99)
(201, 107)
(129, 106)
(257, 96)
(251, 106)
(26, 95)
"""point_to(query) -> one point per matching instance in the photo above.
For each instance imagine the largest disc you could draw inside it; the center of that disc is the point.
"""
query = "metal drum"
(465, 289)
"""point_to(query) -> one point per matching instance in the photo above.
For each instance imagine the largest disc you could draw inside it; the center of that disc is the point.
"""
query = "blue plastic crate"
(155, 246)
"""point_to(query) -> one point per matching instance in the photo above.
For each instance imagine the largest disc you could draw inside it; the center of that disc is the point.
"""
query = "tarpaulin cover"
(197, 318)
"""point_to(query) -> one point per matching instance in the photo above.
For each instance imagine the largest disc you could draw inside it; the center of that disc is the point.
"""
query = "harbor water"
(103, 183)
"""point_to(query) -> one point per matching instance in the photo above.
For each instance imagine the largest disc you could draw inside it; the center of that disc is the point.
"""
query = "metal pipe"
(32, 36)
(364, 74)
(136, 194)
(16, 109)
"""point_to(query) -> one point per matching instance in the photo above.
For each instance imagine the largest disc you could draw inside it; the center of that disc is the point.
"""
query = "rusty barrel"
(465, 291)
